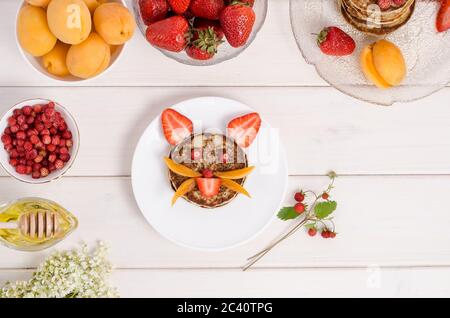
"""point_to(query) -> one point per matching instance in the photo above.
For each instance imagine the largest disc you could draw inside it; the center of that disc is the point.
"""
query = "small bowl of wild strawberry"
(200, 32)
(40, 141)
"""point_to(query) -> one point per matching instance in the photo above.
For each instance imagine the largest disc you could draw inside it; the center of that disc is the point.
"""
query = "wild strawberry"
(51, 148)
(64, 157)
(21, 135)
(14, 129)
(169, 34)
(27, 110)
(46, 139)
(6, 139)
(325, 196)
(28, 146)
(325, 234)
(208, 9)
(237, 21)
(32, 154)
(299, 196)
(12, 121)
(67, 135)
(63, 150)
(59, 164)
(44, 172)
(30, 120)
(38, 159)
(21, 169)
(332, 235)
(333, 41)
(207, 173)
(55, 140)
(179, 6)
(52, 158)
(312, 231)
(37, 108)
(385, 4)
(153, 10)
(21, 119)
(299, 208)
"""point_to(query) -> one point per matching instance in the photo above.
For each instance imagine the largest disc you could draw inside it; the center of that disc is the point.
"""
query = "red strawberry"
(203, 24)
(179, 6)
(153, 10)
(203, 44)
(385, 4)
(176, 127)
(443, 18)
(334, 41)
(208, 9)
(237, 21)
(244, 129)
(208, 187)
(169, 34)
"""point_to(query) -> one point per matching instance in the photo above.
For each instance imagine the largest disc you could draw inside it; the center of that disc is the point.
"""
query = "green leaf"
(287, 213)
(324, 209)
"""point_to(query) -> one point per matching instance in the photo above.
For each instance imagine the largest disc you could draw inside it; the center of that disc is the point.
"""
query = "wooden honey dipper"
(41, 224)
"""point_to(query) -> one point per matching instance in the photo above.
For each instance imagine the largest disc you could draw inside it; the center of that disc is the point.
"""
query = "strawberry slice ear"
(176, 127)
(244, 129)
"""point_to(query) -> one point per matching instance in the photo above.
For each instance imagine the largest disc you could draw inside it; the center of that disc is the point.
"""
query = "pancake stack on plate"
(212, 147)
(372, 17)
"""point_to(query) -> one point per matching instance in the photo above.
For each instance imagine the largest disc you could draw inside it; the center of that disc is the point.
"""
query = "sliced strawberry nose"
(207, 173)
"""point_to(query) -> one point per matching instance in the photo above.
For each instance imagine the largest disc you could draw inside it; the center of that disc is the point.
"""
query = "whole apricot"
(55, 61)
(33, 32)
(69, 20)
(114, 23)
(389, 62)
(89, 58)
(383, 64)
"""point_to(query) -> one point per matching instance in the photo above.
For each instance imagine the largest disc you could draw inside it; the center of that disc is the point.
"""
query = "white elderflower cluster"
(69, 274)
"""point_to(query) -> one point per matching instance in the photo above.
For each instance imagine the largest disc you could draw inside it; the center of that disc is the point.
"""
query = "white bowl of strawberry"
(200, 32)
(40, 141)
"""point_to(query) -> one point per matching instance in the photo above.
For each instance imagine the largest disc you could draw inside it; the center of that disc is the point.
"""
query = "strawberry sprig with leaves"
(315, 217)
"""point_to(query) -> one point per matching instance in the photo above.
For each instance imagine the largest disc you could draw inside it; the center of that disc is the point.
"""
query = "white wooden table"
(394, 165)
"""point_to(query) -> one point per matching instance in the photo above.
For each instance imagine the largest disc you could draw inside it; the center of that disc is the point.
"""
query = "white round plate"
(210, 229)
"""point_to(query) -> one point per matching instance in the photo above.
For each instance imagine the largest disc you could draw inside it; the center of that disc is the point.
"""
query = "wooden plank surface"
(395, 164)
(320, 128)
(369, 282)
(384, 221)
